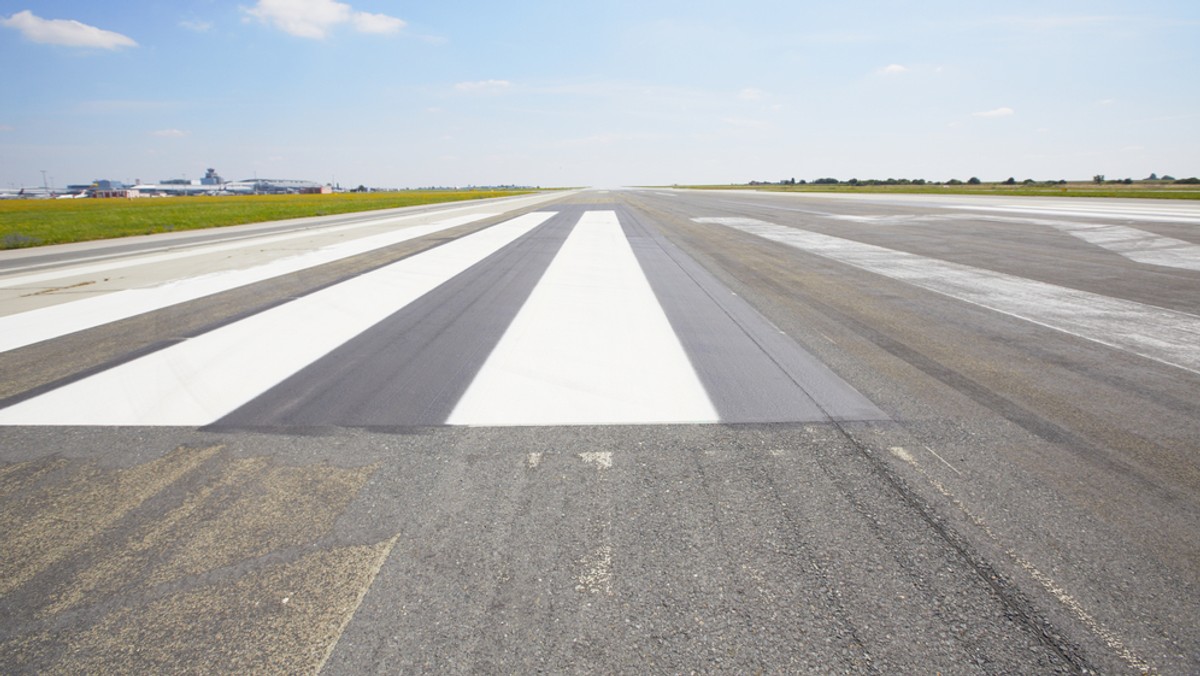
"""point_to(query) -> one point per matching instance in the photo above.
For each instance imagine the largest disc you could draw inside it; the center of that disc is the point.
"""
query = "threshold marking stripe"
(34, 326)
(198, 381)
(591, 345)
(413, 367)
(1167, 336)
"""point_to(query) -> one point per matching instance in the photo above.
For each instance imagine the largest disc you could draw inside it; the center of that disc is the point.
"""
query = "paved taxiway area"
(611, 431)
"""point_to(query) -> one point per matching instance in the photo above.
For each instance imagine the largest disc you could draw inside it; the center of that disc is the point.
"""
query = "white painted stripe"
(1164, 335)
(591, 345)
(45, 323)
(133, 260)
(1167, 215)
(1134, 244)
(199, 381)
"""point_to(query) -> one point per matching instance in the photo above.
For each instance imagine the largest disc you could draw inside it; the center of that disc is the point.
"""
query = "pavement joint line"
(362, 594)
(1011, 598)
(935, 454)
(1111, 640)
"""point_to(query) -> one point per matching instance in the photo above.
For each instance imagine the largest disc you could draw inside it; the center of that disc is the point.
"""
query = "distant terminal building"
(213, 184)
(279, 186)
(103, 187)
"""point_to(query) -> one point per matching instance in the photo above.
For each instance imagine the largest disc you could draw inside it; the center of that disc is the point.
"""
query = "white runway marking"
(1164, 335)
(45, 323)
(133, 260)
(1134, 244)
(591, 345)
(1167, 214)
(198, 381)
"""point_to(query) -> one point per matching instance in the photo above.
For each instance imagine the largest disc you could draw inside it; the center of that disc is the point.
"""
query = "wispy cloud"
(65, 32)
(169, 133)
(998, 112)
(314, 19)
(483, 86)
(752, 94)
(893, 69)
(196, 25)
(7, 127)
(380, 24)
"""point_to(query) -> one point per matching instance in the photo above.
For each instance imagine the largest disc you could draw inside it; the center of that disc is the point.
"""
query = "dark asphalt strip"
(412, 368)
(752, 371)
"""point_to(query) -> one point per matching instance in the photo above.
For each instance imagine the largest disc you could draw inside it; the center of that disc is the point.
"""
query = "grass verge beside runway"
(36, 222)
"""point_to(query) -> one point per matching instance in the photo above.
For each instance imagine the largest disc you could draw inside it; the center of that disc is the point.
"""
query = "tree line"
(974, 180)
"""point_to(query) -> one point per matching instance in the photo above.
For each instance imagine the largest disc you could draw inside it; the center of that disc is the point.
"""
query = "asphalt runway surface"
(633, 431)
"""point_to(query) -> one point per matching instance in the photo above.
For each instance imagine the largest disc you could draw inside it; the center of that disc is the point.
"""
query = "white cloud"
(197, 26)
(893, 69)
(169, 133)
(752, 94)
(65, 32)
(377, 23)
(483, 86)
(7, 127)
(999, 112)
(315, 18)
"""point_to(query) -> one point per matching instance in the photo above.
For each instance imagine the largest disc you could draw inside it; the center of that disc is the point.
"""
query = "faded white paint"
(1168, 336)
(591, 345)
(601, 459)
(1137, 245)
(596, 574)
(202, 379)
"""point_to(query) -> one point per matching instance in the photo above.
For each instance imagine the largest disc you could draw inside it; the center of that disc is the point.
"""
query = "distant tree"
(1128, 181)
(853, 181)
(974, 180)
(1098, 178)
(954, 181)
(1029, 181)
(1010, 181)
(826, 181)
(1152, 177)
(1188, 181)
(1168, 177)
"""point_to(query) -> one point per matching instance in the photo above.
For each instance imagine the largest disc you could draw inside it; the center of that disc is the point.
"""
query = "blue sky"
(407, 94)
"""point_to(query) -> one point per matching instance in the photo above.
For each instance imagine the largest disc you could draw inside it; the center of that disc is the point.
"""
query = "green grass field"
(1148, 190)
(36, 222)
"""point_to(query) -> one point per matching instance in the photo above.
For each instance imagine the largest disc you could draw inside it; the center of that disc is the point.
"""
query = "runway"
(612, 431)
